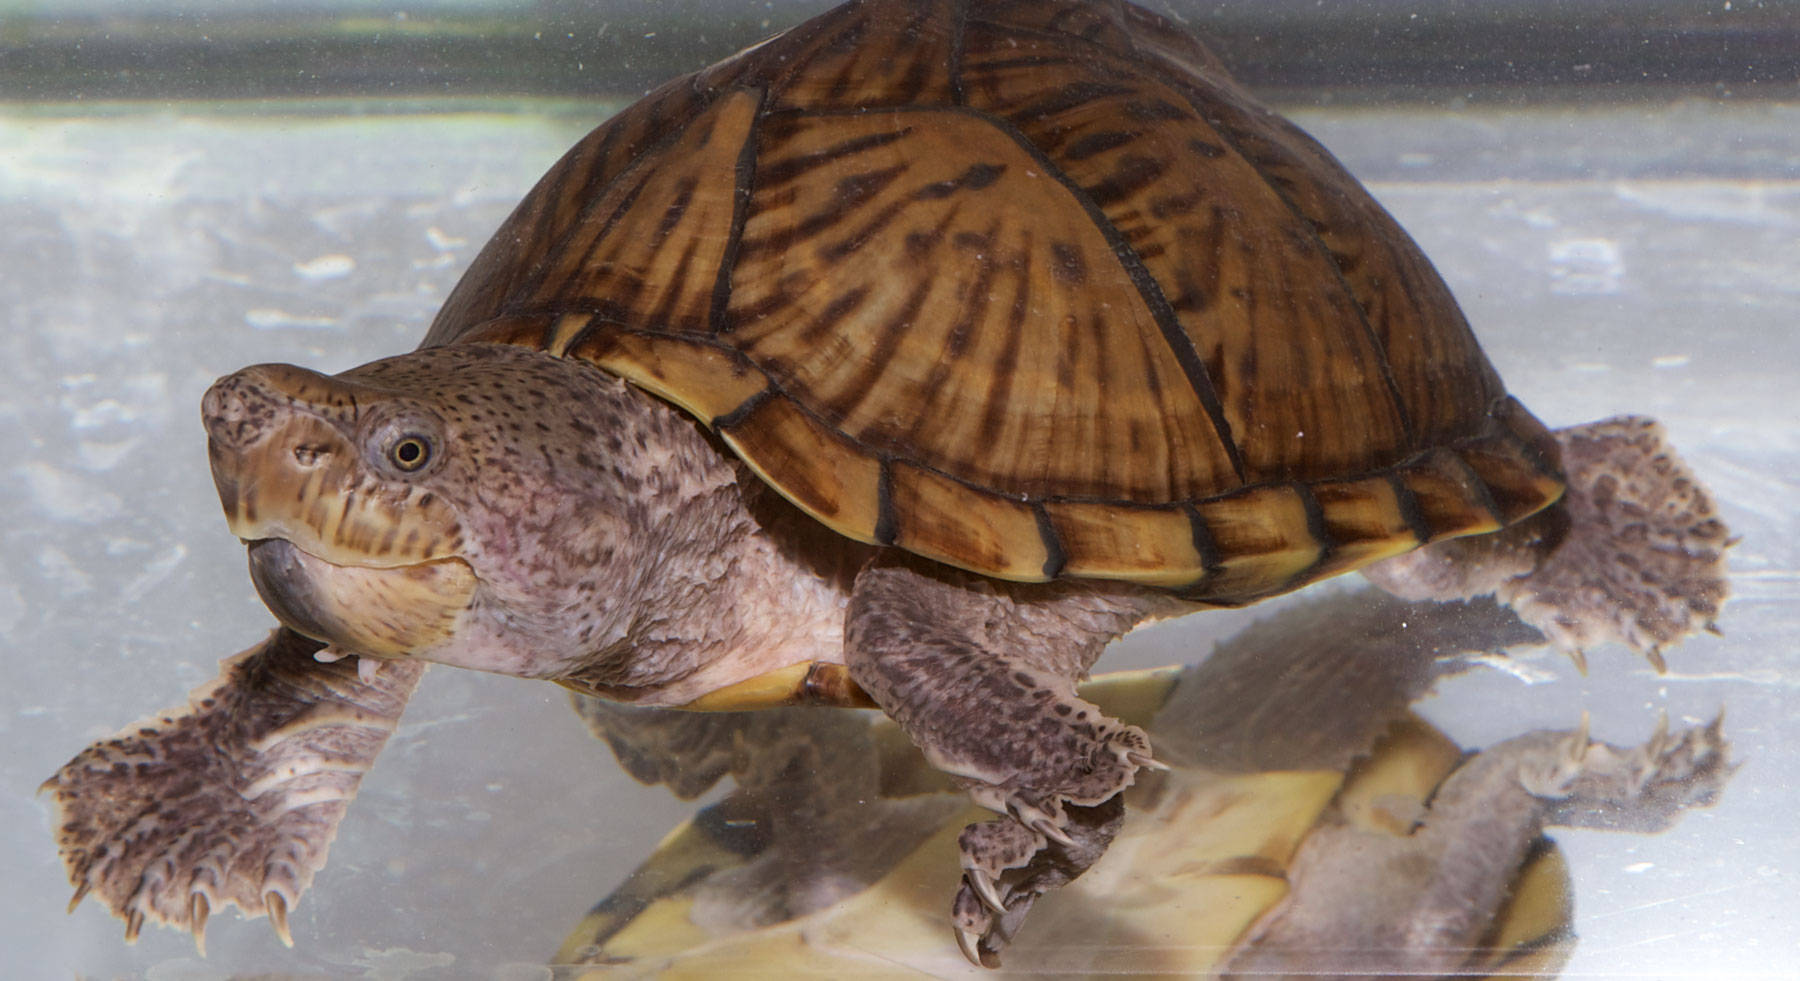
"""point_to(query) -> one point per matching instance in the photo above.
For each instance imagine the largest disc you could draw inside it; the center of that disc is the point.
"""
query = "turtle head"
(408, 506)
(327, 480)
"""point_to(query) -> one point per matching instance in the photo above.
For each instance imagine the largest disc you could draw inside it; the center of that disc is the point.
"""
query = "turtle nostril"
(230, 421)
(309, 455)
(238, 410)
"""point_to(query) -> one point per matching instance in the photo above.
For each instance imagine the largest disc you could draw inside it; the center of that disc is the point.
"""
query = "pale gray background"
(1615, 253)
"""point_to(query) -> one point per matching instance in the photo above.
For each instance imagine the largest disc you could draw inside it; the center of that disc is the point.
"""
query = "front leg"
(982, 677)
(233, 799)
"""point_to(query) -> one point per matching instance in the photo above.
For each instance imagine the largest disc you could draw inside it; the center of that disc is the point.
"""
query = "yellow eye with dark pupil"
(409, 453)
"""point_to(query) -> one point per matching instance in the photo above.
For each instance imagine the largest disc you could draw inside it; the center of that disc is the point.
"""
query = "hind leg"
(1634, 552)
(982, 678)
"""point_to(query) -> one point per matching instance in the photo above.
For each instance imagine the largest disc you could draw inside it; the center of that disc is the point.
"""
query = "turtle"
(906, 359)
(1342, 832)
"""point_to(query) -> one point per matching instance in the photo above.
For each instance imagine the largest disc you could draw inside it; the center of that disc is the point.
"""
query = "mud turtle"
(912, 355)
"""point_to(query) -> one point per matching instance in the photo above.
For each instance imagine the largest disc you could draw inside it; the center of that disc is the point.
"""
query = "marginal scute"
(949, 521)
(532, 331)
(1449, 496)
(1265, 539)
(1154, 546)
(704, 378)
(824, 473)
(564, 331)
(1364, 520)
(1516, 465)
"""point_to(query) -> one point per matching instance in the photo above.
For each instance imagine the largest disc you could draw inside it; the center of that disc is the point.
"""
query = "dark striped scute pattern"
(1028, 287)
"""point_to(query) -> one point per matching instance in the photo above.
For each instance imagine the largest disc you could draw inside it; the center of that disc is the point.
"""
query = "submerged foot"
(233, 799)
(1634, 552)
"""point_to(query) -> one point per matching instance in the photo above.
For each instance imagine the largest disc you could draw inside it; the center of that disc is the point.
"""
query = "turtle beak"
(381, 612)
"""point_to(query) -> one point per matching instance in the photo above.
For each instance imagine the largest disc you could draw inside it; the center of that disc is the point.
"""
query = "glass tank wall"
(1612, 189)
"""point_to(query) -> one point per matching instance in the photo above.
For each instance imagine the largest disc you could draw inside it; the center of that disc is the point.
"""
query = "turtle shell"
(1030, 288)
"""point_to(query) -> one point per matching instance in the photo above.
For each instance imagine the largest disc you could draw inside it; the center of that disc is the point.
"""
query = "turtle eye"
(409, 452)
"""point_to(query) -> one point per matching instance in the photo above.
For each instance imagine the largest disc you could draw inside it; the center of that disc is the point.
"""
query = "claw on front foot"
(1049, 830)
(1144, 762)
(1036, 818)
(984, 887)
(974, 923)
(967, 941)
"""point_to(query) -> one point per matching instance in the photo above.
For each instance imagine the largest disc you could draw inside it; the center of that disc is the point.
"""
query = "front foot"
(1047, 837)
(1008, 865)
(982, 678)
(233, 799)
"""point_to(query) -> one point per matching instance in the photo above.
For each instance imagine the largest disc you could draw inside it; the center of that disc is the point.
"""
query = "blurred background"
(1611, 187)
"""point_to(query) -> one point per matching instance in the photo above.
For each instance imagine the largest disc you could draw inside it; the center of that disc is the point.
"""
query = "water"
(1613, 257)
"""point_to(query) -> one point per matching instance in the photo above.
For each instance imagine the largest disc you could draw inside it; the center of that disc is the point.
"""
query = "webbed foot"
(982, 678)
(1634, 552)
(232, 799)
(1062, 807)
(1642, 787)
(1007, 866)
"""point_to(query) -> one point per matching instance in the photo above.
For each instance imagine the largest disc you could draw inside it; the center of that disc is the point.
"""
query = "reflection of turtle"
(1036, 326)
(1254, 855)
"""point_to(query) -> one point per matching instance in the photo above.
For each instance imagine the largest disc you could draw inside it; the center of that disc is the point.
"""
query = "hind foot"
(1633, 553)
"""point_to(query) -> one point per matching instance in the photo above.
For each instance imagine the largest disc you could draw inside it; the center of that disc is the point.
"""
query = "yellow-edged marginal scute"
(1230, 548)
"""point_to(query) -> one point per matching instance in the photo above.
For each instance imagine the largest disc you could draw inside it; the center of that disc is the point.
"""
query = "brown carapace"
(1029, 288)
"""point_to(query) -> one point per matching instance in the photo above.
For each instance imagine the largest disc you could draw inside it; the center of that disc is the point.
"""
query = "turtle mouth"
(384, 611)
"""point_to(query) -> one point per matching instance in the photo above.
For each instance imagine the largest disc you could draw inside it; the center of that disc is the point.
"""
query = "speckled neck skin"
(613, 546)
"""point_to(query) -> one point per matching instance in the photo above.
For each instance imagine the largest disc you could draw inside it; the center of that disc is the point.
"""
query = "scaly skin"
(496, 508)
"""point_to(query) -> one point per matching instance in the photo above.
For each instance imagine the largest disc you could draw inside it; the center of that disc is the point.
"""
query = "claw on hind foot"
(81, 892)
(198, 910)
(278, 911)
